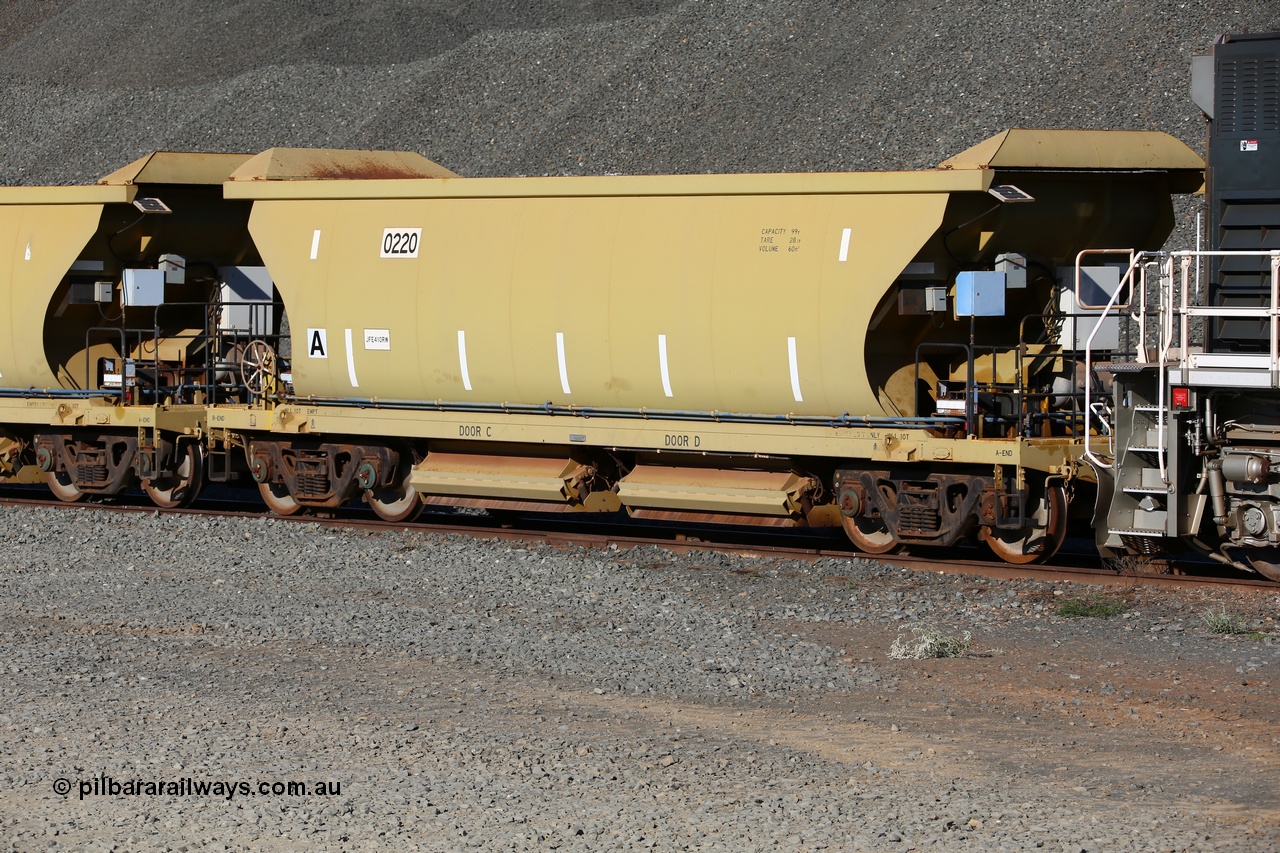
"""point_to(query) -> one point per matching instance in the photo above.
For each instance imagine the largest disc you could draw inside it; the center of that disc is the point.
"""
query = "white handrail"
(1275, 315)
(1177, 307)
(1166, 318)
(1185, 319)
(1134, 259)
(1270, 312)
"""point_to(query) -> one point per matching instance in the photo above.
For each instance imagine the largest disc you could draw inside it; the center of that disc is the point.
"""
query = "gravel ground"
(482, 695)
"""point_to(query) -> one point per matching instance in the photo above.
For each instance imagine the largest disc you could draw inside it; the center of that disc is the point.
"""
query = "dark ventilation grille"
(312, 475)
(1248, 95)
(1250, 226)
(1245, 282)
(88, 475)
(918, 511)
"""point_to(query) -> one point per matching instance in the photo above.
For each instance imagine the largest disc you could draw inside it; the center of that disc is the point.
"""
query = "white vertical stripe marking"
(28, 255)
(844, 244)
(462, 359)
(662, 363)
(795, 370)
(564, 369)
(315, 243)
(351, 361)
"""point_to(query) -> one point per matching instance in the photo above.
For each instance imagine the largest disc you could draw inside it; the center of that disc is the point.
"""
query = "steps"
(1144, 485)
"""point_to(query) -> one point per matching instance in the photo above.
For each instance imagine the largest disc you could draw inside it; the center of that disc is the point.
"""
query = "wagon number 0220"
(400, 242)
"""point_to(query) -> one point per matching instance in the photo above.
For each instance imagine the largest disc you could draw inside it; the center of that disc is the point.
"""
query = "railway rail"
(1074, 563)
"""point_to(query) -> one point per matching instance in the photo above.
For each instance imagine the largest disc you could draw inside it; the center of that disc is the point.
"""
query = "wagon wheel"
(182, 485)
(63, 487)
(395, 503)
(1266, 562)
(277, 498)
(1038, 540)
(869, 535)
(257, 366)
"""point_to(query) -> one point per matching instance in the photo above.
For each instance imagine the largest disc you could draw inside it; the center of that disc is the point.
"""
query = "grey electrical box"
(143, 287)
(935, 298)
(1082, 315)
(246, 300)
(1014, 267)
(919, 298)
(175, 268)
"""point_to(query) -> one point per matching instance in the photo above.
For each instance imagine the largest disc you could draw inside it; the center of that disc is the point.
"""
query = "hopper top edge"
(804, 183)
(90, 194)
(177, 167)
(1021, 148)
(324, 164)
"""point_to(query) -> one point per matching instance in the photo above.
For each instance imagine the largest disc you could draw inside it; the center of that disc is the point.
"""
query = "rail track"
(1073, 563)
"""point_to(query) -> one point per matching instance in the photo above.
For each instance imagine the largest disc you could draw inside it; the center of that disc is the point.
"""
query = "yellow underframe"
(1053, 456)
(1056, 456)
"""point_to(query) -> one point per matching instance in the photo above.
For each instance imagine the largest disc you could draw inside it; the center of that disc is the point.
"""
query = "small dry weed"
(1222, 622)
(929, 643)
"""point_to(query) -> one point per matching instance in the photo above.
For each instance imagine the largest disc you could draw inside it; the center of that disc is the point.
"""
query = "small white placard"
(400, 242)
(377, 339)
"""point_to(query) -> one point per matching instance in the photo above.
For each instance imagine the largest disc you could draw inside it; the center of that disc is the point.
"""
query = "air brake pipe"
(29, 393)
(842, 420)
(1218, 492)
(1227, 561)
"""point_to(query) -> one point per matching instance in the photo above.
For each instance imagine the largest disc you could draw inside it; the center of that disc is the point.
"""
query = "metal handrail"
(971, 387)
(1271, 312)
(1135, 259)
(1175, 310)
